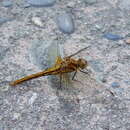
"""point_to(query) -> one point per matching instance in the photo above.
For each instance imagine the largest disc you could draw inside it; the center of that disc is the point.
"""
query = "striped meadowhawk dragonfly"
(61, 67)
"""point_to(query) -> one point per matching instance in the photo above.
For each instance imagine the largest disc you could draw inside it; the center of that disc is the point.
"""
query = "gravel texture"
(29, 36)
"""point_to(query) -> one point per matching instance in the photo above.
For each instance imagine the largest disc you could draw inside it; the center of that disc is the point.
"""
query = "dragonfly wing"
(53, 54)
(66, 81)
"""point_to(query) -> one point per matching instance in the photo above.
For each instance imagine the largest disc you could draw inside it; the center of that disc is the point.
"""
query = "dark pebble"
(40, 3)
(65, 23)
(113, 37)
(38, 53)
(7, 3)
(115, 85)
(89, 1)
(104, 80)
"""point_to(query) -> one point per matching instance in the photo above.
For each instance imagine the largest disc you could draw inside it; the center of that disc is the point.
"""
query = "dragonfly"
(62, 65)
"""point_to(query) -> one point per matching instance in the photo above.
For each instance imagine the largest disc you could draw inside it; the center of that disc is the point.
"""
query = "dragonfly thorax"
(82, 63)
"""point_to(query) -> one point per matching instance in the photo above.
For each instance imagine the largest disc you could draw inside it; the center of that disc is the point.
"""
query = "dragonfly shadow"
(67, 95)
(66, 84)
(68, 105)
(68, 100)
(55, 82)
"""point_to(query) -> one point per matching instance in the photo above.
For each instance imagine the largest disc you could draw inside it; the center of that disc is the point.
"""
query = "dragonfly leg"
(84, 72)
(110, 92)
(77, 52)
(75, 79)
(74, 75)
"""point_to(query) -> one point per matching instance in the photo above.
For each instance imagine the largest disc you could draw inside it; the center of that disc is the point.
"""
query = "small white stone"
(37, 21)
(1, 118)
(32, 99)
(16, 116)
(127, 41)
(71, 4)
(4, 88)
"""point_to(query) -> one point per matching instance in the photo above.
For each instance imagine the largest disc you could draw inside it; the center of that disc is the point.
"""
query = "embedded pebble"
(65, 23)
(4, 20)
(16, 116)
(113, 37)
(127, 41)
(115, 85)
(37, 21)
(90, 1)
(128, 34)
(7, 3)
(38, 52)
(4, 88)
(71, 4)
(26, 5)
(102, 78)
(39, 3)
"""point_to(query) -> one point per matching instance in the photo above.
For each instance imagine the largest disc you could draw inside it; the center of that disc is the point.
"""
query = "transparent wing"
(55, 55)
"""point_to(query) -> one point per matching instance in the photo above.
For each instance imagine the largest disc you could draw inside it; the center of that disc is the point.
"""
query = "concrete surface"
(94, 103)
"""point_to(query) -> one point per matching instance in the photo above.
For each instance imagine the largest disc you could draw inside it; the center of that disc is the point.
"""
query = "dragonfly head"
(82, 63)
